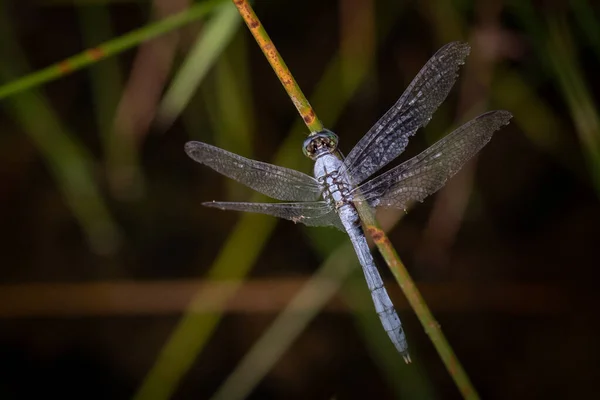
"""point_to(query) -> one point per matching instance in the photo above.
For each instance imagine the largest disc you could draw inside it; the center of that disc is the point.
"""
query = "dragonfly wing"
(424, 174)
(389, 136)
(276, 182)
(313, 213)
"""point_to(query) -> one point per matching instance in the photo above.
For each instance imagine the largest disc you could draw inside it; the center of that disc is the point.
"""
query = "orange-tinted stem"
(281, 70)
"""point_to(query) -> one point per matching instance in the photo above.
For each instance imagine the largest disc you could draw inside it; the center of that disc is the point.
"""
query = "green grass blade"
(193, 330)
(555, 49)
(289, 324)
(216, 35)
(108, 49)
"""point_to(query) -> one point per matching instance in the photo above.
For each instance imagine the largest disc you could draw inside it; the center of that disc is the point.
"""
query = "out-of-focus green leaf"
(289, 324)
(554, 47)
(217, 33)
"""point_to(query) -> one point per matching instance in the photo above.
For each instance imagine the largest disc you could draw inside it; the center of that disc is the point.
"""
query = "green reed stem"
(110, 48)
(281, 70)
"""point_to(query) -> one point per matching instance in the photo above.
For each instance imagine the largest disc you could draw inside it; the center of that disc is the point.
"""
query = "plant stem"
(381, 240)
(281, 70)
(110, 48)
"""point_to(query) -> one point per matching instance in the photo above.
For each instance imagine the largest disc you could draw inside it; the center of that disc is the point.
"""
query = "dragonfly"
(340, 185)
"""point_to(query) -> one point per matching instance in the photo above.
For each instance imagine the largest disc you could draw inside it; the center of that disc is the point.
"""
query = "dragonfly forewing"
(277, 182)
(389, 136)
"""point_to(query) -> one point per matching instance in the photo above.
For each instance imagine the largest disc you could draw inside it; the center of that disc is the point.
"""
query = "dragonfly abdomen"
(383, 304)
(389, 319)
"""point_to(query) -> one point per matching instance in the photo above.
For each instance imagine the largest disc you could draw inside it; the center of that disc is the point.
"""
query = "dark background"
(104, 241)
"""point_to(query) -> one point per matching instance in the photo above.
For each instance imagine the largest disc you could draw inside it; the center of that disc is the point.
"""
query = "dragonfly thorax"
(319, 143)
(336, 187)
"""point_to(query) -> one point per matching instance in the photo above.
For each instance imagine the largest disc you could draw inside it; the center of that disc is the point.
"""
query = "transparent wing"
(276, 182)
(313, 213)
(389, 136)
(424, 174)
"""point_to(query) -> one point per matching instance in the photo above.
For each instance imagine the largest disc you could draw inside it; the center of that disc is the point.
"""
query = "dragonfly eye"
(319, 143)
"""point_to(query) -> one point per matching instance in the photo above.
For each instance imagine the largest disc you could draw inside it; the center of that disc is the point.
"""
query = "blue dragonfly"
(339, 184)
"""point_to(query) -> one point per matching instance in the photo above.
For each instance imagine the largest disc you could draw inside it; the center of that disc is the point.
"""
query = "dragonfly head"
(319, 143)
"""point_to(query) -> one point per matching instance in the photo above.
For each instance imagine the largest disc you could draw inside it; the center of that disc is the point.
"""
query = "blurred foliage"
(534, 215)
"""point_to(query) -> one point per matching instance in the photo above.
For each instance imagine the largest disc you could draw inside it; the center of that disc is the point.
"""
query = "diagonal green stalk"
(110, 48)
(386, 249)
(194, 329)
(281, 70)
(216, 35)
(288, 325)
